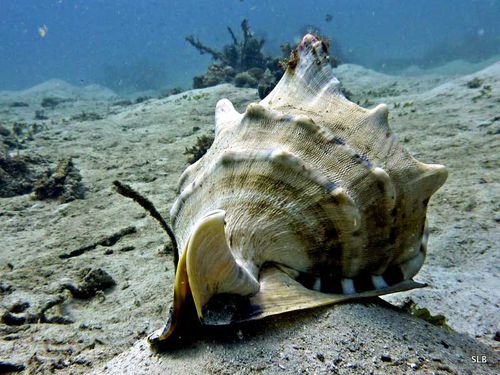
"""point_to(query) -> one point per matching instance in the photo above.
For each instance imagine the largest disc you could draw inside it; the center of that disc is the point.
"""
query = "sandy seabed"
(439, 118)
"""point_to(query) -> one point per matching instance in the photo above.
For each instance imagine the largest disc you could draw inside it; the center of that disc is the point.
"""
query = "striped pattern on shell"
(305, 199)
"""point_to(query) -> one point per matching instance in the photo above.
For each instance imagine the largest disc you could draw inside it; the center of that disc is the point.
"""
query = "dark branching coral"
(242, 63)
(201, 147)
(241, 55)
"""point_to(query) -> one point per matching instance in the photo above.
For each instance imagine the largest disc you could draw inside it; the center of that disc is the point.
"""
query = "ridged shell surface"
(311, 180)
(303, 200)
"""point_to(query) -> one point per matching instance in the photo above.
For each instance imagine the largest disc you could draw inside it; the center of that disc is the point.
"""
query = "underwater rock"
(86, 116)
(18, 104)
(6, 140)
(475, 83)
(18, 307)
(91, 282)
(22, 316)
(215, 75)
(18, 174)
(245, 79)
(9, 367)
(242, 62)
(5, 289)
(267, 83)
(18, 137)
(53, 102)
(64, 183)
(40, 115)
(304, 200)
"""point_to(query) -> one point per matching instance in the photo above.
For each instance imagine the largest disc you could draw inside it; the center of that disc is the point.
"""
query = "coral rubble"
(64, 183)
(242, 63)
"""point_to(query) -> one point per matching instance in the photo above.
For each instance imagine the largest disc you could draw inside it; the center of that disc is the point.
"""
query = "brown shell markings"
(306, 199)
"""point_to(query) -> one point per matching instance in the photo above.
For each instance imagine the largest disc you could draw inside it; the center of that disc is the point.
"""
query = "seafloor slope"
(56, 318)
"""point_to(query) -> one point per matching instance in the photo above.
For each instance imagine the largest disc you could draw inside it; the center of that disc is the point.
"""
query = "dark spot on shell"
(366, 161)
(306, 279)
(363, 283)
(336, 200)
(393, 235)
(380, 186)
(330, 186)
(363, 159)
(393, 275)
(331, 284)
(338, 141)
(425, 202)
(331, 233)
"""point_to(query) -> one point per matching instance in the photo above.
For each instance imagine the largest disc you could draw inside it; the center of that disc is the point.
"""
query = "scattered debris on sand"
(103, 241)
(19, 313)
(91, 282)
(18, 174)
(64, 183)
(475, 83)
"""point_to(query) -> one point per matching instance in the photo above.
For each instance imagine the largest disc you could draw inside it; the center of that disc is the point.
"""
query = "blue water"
(84, 36)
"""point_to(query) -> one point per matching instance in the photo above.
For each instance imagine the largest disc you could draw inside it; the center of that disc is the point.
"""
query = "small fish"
(43, 30)
(328, 18)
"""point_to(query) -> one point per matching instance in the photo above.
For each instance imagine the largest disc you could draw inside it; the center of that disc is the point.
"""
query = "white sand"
(438, 117)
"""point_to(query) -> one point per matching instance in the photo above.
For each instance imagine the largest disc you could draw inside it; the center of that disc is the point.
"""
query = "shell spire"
(303, 200)
(308, 77)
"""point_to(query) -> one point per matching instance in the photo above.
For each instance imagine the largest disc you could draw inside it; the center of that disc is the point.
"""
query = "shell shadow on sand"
(346, 338)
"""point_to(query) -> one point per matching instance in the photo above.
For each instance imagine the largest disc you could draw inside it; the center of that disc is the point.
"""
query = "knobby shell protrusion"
(304, 200)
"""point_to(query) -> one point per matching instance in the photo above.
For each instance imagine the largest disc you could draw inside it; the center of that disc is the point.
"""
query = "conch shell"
(304, 200)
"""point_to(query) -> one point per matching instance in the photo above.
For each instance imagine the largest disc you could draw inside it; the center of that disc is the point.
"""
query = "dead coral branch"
(195, 42)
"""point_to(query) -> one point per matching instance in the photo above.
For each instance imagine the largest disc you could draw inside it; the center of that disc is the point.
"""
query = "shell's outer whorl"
(313, 183)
